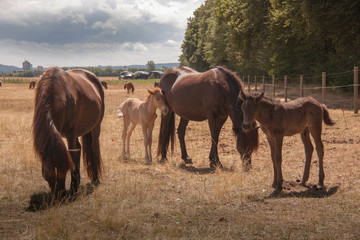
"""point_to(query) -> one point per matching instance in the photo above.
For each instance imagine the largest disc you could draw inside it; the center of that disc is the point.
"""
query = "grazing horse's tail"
(326, 116)
(167, 133)
(48, 143)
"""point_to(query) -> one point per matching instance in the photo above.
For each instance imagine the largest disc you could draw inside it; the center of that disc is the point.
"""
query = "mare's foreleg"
(75, 153)
(305, 137)
(215, 125)
(181, 134)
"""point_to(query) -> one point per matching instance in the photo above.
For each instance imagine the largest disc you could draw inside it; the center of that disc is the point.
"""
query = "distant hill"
(8, 69)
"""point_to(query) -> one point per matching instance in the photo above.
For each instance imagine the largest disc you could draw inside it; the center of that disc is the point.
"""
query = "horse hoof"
(215, 165)
(95, 182)
(163, 160)
(188, 160)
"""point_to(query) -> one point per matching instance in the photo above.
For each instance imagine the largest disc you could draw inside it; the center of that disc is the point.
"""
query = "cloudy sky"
(92, 32)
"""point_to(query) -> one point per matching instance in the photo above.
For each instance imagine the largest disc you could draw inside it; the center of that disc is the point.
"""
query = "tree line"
(274, 37)
(101, 72)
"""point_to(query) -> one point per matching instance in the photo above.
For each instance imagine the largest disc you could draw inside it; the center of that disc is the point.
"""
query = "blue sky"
(92, 32)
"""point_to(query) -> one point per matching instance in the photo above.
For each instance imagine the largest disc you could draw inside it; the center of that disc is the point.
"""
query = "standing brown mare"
(68, 104)
(303, 115)
(129, 86)
(32, 84)
(196, 96)
(134, 111)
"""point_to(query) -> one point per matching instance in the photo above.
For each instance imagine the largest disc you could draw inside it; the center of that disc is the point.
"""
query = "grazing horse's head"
(159, 100)
(249, 107)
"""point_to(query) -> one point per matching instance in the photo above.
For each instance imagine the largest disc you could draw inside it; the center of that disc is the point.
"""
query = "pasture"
(172, 201)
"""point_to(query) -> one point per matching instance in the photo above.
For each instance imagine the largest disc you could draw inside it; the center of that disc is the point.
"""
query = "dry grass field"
(172, 201)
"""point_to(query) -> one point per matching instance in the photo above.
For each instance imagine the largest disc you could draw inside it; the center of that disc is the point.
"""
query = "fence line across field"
(301, 87)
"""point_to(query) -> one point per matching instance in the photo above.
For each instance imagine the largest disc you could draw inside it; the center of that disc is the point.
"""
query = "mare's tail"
(326, 116)
(167, 133)
(91, 155)
(48, 145)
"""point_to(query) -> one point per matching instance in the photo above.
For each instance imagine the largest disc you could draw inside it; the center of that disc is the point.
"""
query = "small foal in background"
(134, 111)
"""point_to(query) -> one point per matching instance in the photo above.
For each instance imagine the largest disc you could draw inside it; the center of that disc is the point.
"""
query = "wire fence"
(336, 95)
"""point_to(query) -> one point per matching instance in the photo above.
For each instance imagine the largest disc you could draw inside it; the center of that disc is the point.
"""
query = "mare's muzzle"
(246, 127)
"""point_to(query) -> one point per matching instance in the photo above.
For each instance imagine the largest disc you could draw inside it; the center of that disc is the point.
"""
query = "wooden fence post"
(356, 90)
(263, 83)
(255, 84)
(301, 86)
(273, 83)
(323, 95)
(248, 83)
(285, 86)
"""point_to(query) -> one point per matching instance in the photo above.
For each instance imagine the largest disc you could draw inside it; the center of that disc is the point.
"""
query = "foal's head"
(249, 107)
(158, 99)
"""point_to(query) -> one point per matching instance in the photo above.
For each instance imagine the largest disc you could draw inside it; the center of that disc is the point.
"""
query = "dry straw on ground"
(170, 201)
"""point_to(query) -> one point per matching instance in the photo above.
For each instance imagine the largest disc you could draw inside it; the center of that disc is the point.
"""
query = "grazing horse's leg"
(215, 125)
(272, 150)
(305, 137)
(181, 134)
(278, 160)
(48, 172)
(316, 134)
(75, 153)
(95, 145)
(128, 135)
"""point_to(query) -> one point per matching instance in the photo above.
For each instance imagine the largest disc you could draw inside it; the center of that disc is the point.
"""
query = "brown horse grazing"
(129, 86)
(104, 84)
(156, 84)
(32, 84)
(68, 104)
(0, 83)
(303, 115)
(134, 111)
(199, 96)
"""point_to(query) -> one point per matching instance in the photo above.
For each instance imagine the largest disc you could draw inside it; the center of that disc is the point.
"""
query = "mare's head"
(158, 100)
(249, 107)
(156, 84)
(125, 86)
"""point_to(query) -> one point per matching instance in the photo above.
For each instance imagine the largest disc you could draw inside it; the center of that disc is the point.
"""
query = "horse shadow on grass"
(309, 192)
(203, 170)
(44, 200)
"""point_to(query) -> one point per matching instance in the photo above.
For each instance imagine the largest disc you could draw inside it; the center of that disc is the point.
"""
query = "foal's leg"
(278, 160)
(305, 137)
(181, 134)
(124, 133)
(149, 133)
(129, 132)
(215, 125)
(316, 134)
(75, 153)
(272, 150)
(146, 143)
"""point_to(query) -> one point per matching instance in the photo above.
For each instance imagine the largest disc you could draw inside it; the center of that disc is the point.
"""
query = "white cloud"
(92, 32)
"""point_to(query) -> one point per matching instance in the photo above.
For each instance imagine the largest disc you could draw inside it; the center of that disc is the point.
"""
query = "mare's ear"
(151, 92)
(260, 97)
(242, 95)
